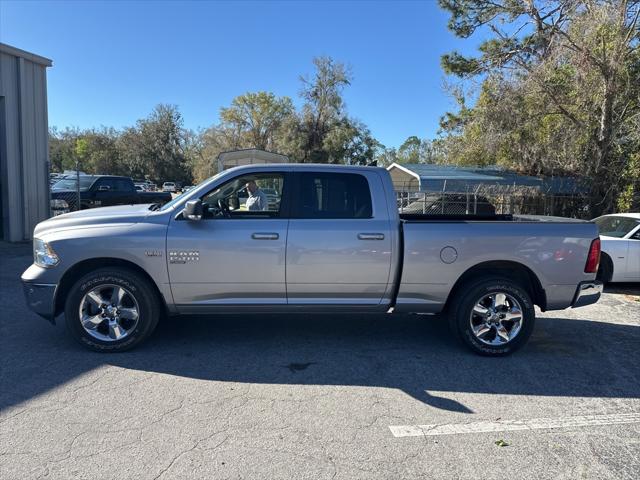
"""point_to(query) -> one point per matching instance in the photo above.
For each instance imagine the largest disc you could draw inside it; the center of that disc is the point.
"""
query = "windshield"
(616, 226)
(170, 204)
(71, 184)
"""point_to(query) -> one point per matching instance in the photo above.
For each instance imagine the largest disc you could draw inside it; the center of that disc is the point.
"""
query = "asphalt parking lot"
(319, 397)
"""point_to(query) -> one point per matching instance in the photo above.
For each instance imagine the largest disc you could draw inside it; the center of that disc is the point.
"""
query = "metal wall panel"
(24, 173)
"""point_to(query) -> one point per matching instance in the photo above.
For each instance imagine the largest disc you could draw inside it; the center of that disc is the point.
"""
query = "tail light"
(593, 260)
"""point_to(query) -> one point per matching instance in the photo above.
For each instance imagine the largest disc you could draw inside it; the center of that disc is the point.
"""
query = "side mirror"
(193, 210)
(104, 188)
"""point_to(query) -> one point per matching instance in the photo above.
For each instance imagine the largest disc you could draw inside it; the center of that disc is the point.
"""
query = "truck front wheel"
(493, 316)
(111, 309)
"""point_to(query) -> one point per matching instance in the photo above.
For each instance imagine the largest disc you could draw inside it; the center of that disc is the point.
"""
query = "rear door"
(339, 241)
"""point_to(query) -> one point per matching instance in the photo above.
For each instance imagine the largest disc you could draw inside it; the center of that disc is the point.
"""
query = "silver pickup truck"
(325, 239)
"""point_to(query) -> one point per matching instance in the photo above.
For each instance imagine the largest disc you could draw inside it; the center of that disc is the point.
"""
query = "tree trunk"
(605, 187)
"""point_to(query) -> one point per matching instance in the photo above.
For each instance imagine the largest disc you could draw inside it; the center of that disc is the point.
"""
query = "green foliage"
(321, 131)
(154, 148)
(257, 118)
(560, 91)
(455, 64)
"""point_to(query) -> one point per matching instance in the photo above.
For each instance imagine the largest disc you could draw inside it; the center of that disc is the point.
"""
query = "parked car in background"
(140, 188)
(169, 187)
(620, 236)
(273, 197)
(99, 191)
(335, 243)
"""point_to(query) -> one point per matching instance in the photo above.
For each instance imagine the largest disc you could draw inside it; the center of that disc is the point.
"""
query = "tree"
(350, 141)
(155, 146)
(561, 87)
(409, 151)
(62, 149)
(323, 107)
(94, 149)
(256, 118)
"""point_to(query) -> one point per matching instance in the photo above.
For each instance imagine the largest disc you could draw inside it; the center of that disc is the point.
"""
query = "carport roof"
(454, 178)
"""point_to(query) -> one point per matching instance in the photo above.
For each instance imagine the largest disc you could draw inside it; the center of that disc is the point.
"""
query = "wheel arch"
(512, 270)
(85, 266)
(605, 259)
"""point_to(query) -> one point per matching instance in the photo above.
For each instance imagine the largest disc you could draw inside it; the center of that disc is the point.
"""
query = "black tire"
(136, 287)
(466, 298)
(605, 270)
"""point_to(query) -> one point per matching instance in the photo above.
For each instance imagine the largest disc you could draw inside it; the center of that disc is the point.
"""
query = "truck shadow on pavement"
(411, 353)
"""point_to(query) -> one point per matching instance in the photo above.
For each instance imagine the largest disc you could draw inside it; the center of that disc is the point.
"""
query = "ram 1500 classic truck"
(332, 242)
(99, 191)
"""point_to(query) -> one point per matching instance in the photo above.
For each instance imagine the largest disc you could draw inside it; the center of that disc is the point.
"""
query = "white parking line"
(513, 425)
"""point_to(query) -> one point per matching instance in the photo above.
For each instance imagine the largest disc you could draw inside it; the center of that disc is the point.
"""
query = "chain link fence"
(66, 196)
(492, 199)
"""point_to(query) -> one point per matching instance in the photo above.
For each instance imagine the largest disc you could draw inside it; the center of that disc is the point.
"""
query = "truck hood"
(121, 214)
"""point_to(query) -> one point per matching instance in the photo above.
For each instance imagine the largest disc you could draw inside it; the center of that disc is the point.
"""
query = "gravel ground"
(314, 396)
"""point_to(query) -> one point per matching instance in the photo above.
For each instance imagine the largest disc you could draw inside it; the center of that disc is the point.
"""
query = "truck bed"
(437, 250)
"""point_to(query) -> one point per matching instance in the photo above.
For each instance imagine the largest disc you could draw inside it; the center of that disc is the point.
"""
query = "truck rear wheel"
(492, 316)
(111, 309)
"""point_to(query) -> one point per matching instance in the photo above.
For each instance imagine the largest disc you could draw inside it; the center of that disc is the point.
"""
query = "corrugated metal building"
(24, 142)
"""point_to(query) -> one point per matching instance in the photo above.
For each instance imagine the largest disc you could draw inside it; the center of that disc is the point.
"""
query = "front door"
(339, 243)
(234, 255)
(633, 257)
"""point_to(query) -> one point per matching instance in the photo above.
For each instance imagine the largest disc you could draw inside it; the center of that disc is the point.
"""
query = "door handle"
(265, 236)
(371, 236)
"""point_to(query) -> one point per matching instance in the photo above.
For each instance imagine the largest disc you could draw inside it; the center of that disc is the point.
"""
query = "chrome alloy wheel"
(109, 312)
(496, 318)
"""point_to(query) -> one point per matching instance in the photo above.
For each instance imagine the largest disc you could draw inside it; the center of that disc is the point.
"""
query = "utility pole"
(78, 182)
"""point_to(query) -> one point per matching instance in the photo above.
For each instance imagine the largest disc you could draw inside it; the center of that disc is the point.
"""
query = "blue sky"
(114, 61)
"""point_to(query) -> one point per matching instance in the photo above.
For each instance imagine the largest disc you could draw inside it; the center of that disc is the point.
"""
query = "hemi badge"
(184, 256)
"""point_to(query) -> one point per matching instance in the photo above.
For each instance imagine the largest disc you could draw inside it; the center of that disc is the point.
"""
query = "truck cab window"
(122, 185)
(247, 196)
(333, 195)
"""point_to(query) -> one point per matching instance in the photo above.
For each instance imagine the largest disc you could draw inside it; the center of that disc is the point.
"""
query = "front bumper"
(587, 293)
(41, 299)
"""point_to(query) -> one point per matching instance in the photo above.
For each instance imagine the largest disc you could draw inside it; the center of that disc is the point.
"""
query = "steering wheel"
(224, 208)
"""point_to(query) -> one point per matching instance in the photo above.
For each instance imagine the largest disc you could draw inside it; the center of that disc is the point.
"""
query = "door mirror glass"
(193, 210)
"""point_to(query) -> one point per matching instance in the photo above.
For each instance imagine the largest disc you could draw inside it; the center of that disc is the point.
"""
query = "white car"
(620, 237)
(169, 187)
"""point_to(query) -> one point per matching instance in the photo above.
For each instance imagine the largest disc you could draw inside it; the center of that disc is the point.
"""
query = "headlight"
(59, 204)
(43, 254)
